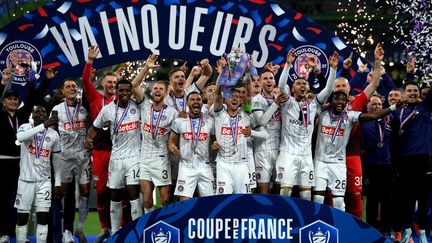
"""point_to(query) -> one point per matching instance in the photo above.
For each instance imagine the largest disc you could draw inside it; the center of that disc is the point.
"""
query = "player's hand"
(220, 65)
(196, 71)
(334, 60)
(402, 103)
(347, 63)
(6, 75)
(183, 114)
(282, 98)
(184, 68)
(247, 132)
(14, 58)
(151, 61)
(206, 68)
(93, 52)
(410, 66)
(290, 57)
(379, 52)
(273, 68)
(174, 150)
(88, 143)
(215, 145)
(310, 96)
(52, 121)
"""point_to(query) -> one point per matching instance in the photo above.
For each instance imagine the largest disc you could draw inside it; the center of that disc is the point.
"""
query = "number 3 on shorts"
(165, 174)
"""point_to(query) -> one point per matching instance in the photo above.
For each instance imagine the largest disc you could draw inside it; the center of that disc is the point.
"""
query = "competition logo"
(27, 58)
(319, 232)
(161, 232)
(301, 68)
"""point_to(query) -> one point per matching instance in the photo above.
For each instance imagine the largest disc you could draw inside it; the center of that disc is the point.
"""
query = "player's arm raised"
(136, 83)
(326, 92)
(283, 86)
(218, 100)
(205, 74)
(376, 75)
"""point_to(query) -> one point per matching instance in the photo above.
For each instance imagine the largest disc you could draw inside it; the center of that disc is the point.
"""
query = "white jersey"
(156, 126)
(72, 127)
(273, 127)
(336, 129)
(296, 136)
(179, 103)
(31, 168)
(194, 144)
(228, 131)
(124, 126)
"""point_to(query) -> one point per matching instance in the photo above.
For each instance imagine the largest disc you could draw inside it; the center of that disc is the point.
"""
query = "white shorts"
(251, 167)
(156, 170)
(295, 170)
(331, 175)
(232, 177)
(191, 175)
(78, 165)
(265, 162)
(39, 192)
(123, 172)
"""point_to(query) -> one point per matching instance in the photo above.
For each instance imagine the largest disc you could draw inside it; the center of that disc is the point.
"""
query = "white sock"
(83, 211)
(21, 233)
(148, 210)
(41, 233)
(305, 195)
(319, 199)
(136, 209)
(116, 215)
(339, 203)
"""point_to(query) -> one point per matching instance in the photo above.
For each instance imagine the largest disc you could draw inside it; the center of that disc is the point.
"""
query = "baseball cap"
(9, 93)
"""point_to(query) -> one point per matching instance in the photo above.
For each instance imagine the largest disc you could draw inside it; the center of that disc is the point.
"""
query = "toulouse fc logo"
(161, 232)
(22, 53)
(301, 69)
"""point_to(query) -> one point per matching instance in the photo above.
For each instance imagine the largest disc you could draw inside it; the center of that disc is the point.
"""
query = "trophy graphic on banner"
(319, 236)
(161, 237)
(237, 63)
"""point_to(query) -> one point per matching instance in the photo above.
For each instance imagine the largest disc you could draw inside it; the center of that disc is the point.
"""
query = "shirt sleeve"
(90, 91)
(175, 126)
(353, 116)
(101, 118)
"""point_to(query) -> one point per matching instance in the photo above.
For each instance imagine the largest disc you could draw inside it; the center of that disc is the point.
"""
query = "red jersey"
(96, 101)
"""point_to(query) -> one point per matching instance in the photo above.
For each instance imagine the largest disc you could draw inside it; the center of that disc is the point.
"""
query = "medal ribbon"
(38, 146)
(154, 129)
(70, 118)
(410, 116)
(340, 118)
(307, 115)
(117, 124)
(234, 128)
(195, 135)
(182, 105)
(14, 126)
(381, 131)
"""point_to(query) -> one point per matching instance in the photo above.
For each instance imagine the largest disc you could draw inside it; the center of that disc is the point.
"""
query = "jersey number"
(340, 184)
(135, 174)
(165, 174)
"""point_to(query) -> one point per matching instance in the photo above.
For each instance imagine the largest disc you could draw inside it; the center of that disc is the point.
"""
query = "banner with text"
(58, 34)
(247, 218)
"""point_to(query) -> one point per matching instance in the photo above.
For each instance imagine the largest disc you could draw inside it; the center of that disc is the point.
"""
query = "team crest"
(161, 232)
(133, 111)
(82, 110)
(221, 190)
(258, 175)
(280, 175)
(163, 118)
(26, 56)
(180, 188)
(48, 139)
(301, 69)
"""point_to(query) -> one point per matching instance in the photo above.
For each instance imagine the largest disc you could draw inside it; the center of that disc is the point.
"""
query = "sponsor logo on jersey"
(26, 54)
(228, 131)
(43, 153)
(189, 136)
(330, 130)
(161, 131)
(297, 122)
(127, 127)
(69, 126)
